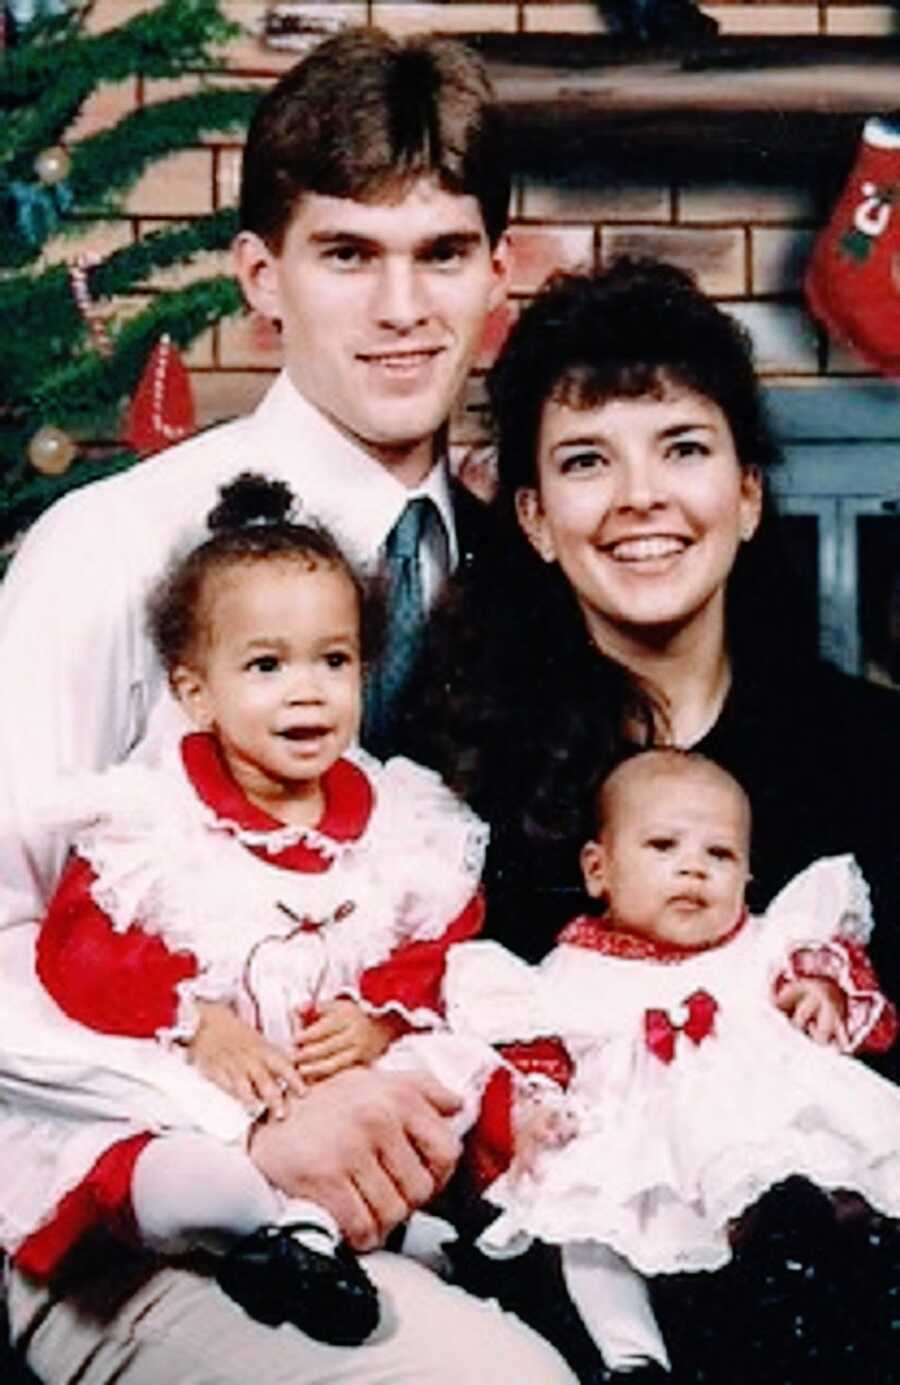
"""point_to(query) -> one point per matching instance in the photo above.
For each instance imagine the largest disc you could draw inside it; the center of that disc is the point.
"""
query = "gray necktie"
(405, 625)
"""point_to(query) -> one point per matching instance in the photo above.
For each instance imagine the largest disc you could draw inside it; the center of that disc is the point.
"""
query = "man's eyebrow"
(334, 235)
(339, 237)
(461, 238)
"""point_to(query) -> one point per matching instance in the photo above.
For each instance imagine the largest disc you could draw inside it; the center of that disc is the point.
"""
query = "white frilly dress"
(693, 1093)
(280, 919)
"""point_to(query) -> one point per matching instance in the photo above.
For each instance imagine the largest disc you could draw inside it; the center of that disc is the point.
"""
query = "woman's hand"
(240, 1061)
(817, 1006)
(343, 1036)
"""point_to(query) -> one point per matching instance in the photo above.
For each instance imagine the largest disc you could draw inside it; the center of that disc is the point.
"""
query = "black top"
(821, 765)
(820, 762)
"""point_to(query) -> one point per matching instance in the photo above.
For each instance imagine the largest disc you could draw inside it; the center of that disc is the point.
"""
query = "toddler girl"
(705, 1052)
(268, 877)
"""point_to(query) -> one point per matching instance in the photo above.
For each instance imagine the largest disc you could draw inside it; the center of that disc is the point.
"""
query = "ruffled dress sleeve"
(114, 982)
(138, 930)
(818, 926)
(429, 845)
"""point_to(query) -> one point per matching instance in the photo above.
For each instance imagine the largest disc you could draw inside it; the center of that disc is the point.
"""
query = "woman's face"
(643, 503)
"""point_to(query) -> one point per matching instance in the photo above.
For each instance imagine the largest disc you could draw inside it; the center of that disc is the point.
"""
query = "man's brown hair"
(365, 115)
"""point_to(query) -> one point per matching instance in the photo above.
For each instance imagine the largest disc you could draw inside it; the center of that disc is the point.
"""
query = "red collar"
(598, 935)
(349, 799)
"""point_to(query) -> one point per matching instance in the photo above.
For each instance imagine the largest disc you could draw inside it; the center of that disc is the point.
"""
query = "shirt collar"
(350, 493)
(349, 800)
(600, 935)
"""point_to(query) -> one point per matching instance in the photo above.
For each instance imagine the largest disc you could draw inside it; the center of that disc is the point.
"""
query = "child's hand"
(342, 1036)
(816, 1006)
(540, 1121)
(239, 1060)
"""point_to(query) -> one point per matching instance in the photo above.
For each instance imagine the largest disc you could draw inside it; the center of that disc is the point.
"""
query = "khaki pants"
(132, 1322)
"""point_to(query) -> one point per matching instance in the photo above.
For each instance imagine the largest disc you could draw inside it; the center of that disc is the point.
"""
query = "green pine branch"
(43, 323)
(85, 394)
(107, 164)
(110, 162)
(43, 85)
(51, 372)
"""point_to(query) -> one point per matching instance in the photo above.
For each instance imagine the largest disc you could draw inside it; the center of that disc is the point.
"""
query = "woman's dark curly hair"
(251, 524)
(622, 334)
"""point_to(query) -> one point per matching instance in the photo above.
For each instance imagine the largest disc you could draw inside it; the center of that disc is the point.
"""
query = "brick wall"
(748, 244)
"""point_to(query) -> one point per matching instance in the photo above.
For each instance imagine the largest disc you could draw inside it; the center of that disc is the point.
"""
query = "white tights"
(190, 1190)
(614, 1305)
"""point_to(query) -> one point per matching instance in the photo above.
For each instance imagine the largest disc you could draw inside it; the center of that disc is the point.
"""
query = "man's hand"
(816, 1006)
(234, 1056)
(343, 1036)
(368, 1146)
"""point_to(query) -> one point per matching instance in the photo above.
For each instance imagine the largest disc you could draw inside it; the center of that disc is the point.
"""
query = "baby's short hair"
(251, 524)
(671, 761)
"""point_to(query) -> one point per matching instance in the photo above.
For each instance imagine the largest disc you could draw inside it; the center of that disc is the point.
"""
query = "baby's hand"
(342, 1036)
(238, 1059)
(540, 1121)
(816, 1006)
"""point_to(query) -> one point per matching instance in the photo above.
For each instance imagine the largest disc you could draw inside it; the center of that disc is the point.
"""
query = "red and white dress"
(182, 890)
(693, 1093)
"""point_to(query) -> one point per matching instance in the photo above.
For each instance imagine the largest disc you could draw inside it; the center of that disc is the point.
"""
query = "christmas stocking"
(853, 279)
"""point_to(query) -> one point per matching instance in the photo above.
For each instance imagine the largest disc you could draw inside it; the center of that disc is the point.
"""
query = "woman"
(637, 594)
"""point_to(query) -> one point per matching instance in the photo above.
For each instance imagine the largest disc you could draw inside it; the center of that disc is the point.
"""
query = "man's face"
(382, 307)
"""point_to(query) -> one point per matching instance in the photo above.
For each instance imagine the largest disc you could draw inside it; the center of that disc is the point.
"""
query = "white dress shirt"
(82, 684)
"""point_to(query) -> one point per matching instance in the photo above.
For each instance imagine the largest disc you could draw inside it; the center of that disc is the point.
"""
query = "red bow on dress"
(660, 1032)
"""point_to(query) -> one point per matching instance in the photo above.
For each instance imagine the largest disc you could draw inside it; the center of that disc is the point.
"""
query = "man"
(372, 210)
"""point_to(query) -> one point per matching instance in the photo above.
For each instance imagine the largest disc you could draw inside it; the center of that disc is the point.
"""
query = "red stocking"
(853, 278)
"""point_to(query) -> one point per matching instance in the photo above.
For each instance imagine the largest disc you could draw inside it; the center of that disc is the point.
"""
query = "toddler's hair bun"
(251, 499)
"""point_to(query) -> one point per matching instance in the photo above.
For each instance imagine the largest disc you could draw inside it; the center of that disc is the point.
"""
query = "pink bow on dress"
(660, 1032)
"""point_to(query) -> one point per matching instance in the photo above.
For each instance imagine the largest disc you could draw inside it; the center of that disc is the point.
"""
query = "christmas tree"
(74, 347)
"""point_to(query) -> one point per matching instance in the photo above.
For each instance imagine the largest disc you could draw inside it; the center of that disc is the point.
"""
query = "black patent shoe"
(276, 1278)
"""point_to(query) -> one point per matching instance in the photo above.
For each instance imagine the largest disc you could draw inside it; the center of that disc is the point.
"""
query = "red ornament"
(162, 410)
(853, 278)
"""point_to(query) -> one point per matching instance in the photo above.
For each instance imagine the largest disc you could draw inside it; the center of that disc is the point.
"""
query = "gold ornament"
(51, 451)
(52, 166)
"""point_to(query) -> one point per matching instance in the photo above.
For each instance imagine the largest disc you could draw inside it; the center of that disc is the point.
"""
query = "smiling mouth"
(303, 733)
(649, 548)
(400, 361)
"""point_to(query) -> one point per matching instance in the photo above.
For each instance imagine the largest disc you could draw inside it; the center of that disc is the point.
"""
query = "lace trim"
(421, 1018)
(518, 1225)
(277, 840)
(602, 935)
(212, 985)
(857, 920)
(830, 961)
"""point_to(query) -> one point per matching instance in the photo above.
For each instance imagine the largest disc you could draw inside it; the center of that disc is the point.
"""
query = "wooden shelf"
(789, 108)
